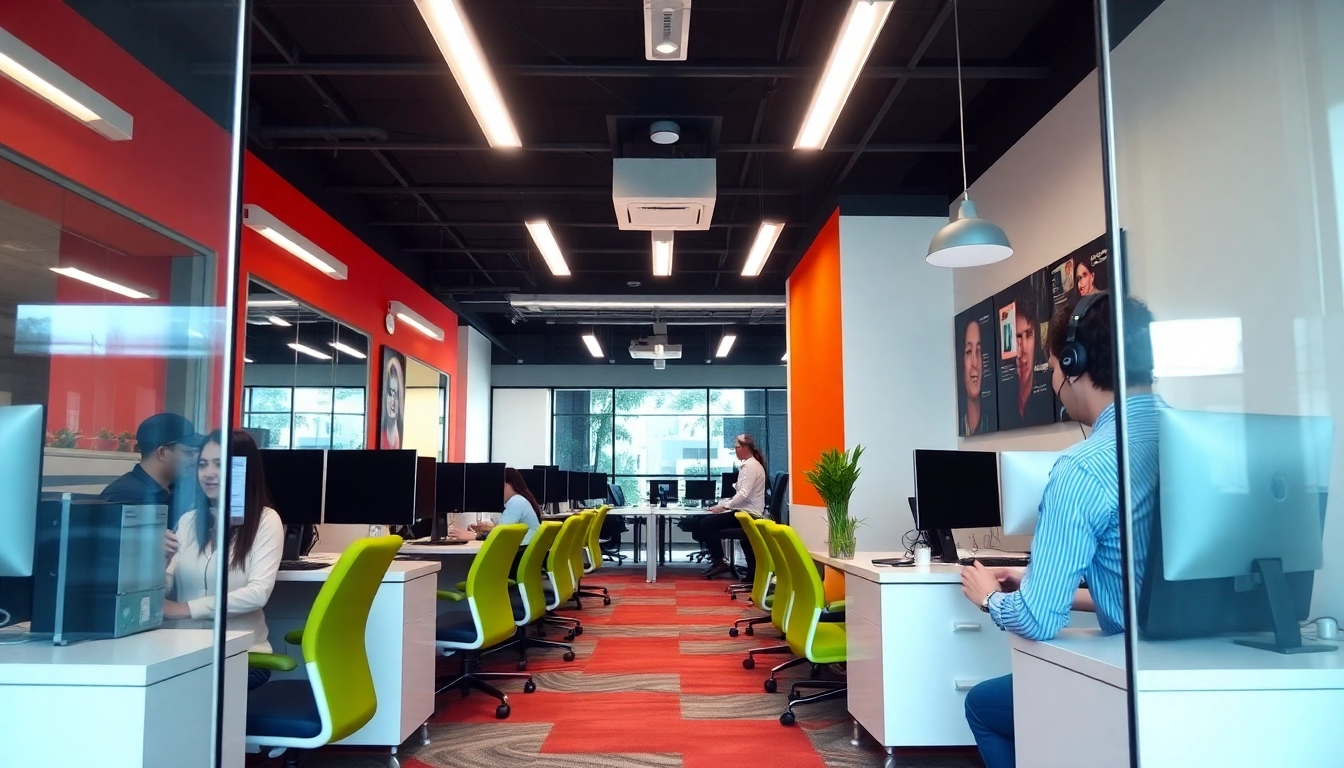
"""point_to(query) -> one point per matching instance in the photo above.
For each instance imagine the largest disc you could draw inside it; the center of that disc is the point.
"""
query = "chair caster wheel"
(750, 631)
(771, 686)
(733, 596)
(794, 696)
(787, 719)
(522, 666)
(732, 632)
(749, 663)
(569, 656)
(502, 711)
(578, 630)
(529, 687)
(606, 601)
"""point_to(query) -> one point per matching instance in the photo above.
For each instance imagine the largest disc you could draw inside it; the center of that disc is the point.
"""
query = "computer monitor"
(1238, 532)
(451, 489)
(20, 483)
(296, 480)
(701, 490)
(955, 489)
(536, 483)
(485, 488)
(597, 485)
(576, 486)
(661, 492)
(557, 486)
(426, 486)
(729, 483)
(371, 487)
(1022, 479)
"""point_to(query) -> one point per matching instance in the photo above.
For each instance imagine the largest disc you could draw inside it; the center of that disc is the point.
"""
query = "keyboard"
(303, 565)
(998, 562)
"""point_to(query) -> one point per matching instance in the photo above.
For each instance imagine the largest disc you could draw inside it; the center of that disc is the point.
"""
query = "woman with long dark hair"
(750, 498)
(254, 547)
(520, 506)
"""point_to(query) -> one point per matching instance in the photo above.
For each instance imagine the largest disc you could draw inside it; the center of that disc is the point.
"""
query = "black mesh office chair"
(613, 526)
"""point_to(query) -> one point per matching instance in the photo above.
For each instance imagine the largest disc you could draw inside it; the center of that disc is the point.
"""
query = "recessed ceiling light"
(633, 284)
(667, 46)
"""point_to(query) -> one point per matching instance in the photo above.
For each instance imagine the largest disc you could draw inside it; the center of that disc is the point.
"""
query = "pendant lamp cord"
(961, 104)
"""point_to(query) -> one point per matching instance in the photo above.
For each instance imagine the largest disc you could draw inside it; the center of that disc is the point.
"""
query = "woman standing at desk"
(750, 498)
(255, 546)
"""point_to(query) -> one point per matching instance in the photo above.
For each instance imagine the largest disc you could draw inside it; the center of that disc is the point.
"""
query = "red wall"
(359, 301)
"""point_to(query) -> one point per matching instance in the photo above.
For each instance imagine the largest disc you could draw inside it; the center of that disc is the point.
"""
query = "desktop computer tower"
(99, 569)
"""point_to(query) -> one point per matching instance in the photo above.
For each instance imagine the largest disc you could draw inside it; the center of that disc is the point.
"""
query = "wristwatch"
(984, 604)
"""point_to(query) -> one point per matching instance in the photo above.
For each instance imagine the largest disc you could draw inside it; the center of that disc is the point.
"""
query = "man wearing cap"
(168, 444)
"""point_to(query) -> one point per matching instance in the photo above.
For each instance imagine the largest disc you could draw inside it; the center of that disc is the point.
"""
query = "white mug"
(922, 555)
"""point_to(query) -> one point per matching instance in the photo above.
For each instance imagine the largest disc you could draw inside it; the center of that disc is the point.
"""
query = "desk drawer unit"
(915, 650)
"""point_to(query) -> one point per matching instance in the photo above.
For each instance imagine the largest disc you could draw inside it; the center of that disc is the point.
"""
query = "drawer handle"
(963, 686)
(965, 626)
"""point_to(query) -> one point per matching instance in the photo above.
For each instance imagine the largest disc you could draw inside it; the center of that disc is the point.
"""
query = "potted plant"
(834, 476)
(66, 438)
(105, 441)
(125, 442)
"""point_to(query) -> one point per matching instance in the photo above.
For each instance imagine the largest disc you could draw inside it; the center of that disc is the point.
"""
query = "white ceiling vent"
(667, 27)
(663, 194)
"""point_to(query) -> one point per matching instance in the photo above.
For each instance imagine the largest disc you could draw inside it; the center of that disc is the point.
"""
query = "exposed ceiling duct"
(641, 310)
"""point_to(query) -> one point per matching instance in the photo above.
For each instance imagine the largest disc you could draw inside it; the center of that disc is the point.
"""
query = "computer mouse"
(1327, 628)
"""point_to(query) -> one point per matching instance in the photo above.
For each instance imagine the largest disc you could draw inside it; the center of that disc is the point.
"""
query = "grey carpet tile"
(737, 706)
(832, 742)
(582, 682)
(711, 610)
(490, 745)
(598, 631)
(710, 647)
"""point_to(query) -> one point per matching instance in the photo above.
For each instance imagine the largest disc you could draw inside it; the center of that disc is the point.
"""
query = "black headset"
(1073, 357)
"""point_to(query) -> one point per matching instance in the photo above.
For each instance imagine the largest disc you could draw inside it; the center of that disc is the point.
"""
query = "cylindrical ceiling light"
(664, 132)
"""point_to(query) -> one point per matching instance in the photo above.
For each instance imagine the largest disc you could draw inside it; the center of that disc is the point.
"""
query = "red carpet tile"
(661, 615)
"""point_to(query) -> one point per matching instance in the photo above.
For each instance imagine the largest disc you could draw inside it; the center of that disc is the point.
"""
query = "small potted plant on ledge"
(106, 441)
(834, 476)
(66, 438)
(125, 442)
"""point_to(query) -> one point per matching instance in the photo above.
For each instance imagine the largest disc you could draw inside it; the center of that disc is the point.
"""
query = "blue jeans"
(989, 712)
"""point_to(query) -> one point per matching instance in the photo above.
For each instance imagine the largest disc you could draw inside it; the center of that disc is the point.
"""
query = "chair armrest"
(837, 607)
(294, 636)
(272, 661)
(455, 597)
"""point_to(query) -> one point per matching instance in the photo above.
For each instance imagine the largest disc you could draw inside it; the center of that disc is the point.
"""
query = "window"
(306, 417)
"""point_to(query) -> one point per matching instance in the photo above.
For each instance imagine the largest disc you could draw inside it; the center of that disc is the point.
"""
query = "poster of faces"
(392, 400)
(976, 334)
(1022, 315)
(1083, 272)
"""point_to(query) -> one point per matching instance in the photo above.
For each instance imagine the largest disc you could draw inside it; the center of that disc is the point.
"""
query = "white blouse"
(191, 576)
(750, 495)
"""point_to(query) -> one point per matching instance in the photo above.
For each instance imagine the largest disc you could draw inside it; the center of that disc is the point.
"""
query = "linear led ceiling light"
(271, 228)
(347, 349)
(277, 320)
(662, 254)
(309, 351)
(761, 249)
(458, 44)
(590, 340)
(863, 23)
(726, 343)
(102, 282)
(550, 249)
(40, 76)
(408, 316)
(659, 302)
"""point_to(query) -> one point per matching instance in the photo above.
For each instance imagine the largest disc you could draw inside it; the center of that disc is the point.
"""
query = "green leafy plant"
(106, 434)
(66, 438)
(124, 441)
(834, 477)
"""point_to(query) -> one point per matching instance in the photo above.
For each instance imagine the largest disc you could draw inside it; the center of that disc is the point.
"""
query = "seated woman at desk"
(750, 498)
(520, 506)
(254, 550)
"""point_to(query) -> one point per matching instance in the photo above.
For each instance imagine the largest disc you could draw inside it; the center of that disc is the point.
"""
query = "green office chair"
(528, 597)
(765, 568)
(489, 620)
(820, 642)
(560, 572)
(592, 551)
(577, 557)
(338, 697)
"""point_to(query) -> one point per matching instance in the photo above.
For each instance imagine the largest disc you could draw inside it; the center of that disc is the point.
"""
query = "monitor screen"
(448, 496)
(426, 486)
(1022, 479)
(536, 483)
(956, 489)
(701, 490)
(557, 486)
(729, 483)
(20, 480)
(485, 488)
(296, 480)
(660, 489)
(371, 487)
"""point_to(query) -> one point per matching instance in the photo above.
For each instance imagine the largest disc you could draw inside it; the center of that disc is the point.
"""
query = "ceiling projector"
(655, 347)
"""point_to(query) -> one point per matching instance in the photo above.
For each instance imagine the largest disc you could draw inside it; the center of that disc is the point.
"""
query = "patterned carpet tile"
(586, 682)
(737, 706)
(510, 744)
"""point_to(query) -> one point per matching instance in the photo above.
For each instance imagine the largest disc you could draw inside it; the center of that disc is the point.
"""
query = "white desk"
(1200, 702)
(469, 549)
(399, 640)
(140, 701)
(651, 515)
(915, 646)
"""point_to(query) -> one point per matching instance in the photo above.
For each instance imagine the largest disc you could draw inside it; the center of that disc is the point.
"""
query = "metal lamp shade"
(968, 241)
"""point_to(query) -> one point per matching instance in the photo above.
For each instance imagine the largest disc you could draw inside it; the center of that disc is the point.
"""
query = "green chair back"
(594, 546)
(580, 544)
(333, 637)
(560, 565)
(809, 600)
(765, 564)
(488, 584)
(529, 572)
(783, 600)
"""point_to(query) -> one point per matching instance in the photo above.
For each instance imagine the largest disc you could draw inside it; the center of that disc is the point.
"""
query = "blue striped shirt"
(1078, 529)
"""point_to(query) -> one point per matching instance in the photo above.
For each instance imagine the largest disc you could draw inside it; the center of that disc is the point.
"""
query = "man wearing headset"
(1077, 533)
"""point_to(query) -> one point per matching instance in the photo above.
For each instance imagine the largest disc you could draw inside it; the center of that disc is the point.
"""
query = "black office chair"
(613, 526)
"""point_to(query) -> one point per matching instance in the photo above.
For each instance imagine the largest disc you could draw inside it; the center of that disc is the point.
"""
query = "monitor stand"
(942, 544)
(1287, 632)
(438, 529)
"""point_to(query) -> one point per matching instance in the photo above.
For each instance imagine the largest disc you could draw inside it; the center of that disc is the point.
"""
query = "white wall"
(474, 372)
(899, 377)
(521, 427)
(639, 376)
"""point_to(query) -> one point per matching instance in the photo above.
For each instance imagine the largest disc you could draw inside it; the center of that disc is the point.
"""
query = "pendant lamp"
(967, 241)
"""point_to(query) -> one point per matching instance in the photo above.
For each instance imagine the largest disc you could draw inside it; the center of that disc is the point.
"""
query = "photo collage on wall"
(1013, 387)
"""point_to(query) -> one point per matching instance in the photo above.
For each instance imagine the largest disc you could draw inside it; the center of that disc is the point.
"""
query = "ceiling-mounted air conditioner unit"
(663, 194)
(667, 27)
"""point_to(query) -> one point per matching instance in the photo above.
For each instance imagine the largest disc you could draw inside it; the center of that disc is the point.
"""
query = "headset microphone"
(1073, 357)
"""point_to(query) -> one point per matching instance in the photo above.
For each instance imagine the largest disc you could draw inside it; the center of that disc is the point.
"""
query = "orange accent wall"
(359, 301)
(816, 355)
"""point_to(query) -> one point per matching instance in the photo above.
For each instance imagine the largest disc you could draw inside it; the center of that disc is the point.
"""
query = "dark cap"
(166, 429)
